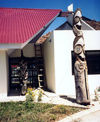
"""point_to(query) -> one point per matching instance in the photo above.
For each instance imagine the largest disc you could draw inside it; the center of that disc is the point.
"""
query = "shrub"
(40, 95)
(34, 95)
(30, 96)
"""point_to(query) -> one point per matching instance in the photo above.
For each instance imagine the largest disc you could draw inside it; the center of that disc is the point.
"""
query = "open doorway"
(35, 70)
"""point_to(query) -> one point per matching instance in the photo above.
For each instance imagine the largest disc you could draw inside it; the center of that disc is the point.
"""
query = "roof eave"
(5, 46)
(32, 39)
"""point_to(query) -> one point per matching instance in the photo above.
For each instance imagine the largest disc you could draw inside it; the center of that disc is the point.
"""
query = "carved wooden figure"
(80, 66)
(24, 77)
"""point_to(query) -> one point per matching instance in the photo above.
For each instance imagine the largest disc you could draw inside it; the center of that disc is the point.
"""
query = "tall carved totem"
(80, 66)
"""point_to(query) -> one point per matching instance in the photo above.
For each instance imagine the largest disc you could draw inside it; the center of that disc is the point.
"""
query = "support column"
(3, 73)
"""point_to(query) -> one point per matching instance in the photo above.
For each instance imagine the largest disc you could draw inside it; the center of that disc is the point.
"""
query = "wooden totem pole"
(23, 77)
(80, 66)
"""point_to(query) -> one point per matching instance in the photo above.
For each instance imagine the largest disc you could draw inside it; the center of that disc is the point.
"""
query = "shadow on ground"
(68, 98)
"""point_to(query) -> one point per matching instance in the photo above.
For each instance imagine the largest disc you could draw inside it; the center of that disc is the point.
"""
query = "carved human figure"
(24, 77)
(80, 66)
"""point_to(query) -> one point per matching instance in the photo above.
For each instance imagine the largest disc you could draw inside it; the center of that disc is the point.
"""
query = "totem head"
(77, 23)
(79, 43)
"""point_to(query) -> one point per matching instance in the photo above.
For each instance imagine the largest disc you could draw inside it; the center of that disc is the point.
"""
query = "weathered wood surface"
(80, 66)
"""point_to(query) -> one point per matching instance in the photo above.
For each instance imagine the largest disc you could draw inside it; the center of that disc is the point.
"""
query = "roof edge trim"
(88, 25)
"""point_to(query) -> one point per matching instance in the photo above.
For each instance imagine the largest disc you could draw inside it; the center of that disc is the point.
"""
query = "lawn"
(34, 112)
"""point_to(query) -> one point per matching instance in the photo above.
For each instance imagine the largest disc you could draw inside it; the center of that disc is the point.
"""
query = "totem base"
(87, 102)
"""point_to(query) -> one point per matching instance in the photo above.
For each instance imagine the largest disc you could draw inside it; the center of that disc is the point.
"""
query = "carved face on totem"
(79, 40)
(79, 48)
(77, 23)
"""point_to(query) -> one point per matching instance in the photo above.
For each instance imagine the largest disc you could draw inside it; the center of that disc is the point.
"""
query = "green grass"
(33, 112)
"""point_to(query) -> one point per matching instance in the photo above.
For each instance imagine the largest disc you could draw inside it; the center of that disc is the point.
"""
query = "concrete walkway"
(89, 115)
(11, 98)
(48, 97)
(53, 98)
(92, 117)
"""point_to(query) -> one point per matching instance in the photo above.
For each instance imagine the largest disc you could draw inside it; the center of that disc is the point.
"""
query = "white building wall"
(63, 45)
(48, 51)
(3, 73)
(63, 41)
(15, 53)
(28, 51)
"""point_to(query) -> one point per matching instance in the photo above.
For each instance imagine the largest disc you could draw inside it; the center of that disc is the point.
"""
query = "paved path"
(89, 115)
(48, 97)
(53, 98)
(92, 117)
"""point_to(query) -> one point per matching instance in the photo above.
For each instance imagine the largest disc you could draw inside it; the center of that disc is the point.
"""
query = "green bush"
(30, 96)
(40, 95)
(34, 95)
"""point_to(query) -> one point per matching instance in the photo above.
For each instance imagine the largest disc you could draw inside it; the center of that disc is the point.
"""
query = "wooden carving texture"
(80, 66)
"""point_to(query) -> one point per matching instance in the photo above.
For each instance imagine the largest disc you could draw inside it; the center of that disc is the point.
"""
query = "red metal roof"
(20, 25)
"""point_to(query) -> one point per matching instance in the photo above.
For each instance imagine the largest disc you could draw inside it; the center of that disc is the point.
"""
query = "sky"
(90, 8)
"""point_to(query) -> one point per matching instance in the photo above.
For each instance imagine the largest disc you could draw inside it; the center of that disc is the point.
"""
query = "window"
(93, 61)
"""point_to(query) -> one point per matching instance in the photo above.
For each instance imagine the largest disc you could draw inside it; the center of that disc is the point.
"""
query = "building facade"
(55, 53)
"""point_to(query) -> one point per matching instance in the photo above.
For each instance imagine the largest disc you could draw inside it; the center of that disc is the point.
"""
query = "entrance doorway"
(35, 66)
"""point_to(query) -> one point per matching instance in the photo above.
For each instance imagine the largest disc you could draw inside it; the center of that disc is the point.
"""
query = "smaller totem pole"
(80, 66)
(23, 77)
